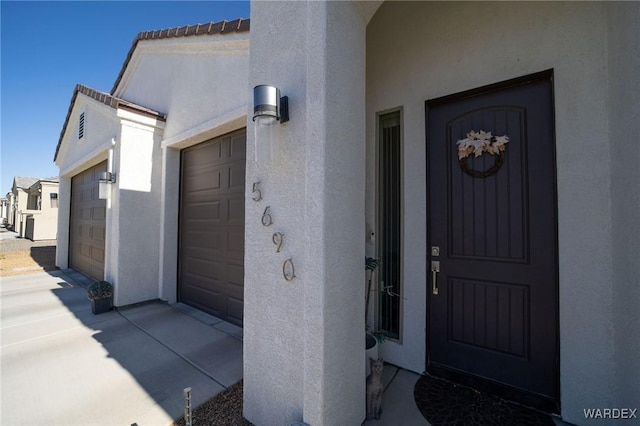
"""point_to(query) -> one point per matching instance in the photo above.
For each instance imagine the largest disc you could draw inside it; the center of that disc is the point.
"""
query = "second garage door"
(87, 224)
(211, 258)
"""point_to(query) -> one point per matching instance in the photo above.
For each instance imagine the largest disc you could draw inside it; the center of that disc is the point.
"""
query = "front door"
(493, 296)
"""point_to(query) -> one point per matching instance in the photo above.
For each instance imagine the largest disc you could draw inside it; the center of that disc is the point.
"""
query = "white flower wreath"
(479, 142)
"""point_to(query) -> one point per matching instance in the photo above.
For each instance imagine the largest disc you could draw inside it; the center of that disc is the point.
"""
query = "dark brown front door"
(492, 226)
(87, 223)
(211, 271)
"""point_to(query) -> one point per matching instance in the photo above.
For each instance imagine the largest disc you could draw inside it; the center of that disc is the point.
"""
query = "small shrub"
(99, 290)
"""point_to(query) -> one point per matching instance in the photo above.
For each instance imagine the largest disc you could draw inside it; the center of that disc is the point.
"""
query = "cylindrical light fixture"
(268, 108)
(268, 105)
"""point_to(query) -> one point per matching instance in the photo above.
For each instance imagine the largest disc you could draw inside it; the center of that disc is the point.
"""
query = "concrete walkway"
(61, 364)
(398, 404)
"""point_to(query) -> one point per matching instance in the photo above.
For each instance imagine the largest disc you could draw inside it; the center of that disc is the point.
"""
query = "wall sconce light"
(105, 179)
(268, 108)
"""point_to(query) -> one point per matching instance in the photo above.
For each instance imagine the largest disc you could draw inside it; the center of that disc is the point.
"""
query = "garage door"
(211, 271)
(87, 224)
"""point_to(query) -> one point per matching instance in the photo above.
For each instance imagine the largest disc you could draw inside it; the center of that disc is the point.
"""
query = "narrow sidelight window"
(389, 223)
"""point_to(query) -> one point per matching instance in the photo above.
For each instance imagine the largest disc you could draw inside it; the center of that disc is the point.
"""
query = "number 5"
(256, 190)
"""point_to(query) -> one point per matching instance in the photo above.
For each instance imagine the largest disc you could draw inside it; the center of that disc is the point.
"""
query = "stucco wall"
(100, 126)
(624, 115)
(304, 339)
(436, 52)
(135, 237)
(193, 80)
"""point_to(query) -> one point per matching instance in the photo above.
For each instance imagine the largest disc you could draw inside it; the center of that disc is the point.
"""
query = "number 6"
(266, 217)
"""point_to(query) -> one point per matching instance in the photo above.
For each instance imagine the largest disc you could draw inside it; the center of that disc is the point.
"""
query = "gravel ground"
(22, 256)
(22, 244)
(224, 409)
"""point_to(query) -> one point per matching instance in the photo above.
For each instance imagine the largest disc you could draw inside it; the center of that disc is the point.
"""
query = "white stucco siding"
(304, 340)
(193, 79)
(100, 127)
(274, 348)
(437, 51)
(134, 234)
(624, 114)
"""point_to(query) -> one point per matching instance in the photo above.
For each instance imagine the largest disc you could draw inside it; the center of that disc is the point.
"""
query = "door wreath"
(477, 143)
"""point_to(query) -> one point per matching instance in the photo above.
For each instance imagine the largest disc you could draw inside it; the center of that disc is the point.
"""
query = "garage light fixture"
(105, 179)
(268, 108)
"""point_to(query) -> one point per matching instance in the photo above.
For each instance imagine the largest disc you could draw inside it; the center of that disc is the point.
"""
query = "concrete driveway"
(60, 364)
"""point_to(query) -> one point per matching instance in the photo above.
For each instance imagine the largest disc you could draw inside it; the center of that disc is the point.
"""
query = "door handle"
(435, 268)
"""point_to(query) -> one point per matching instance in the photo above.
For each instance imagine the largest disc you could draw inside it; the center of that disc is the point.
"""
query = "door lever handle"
(435, 268)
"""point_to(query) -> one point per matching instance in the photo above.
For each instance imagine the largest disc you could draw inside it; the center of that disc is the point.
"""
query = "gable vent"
(81, 126)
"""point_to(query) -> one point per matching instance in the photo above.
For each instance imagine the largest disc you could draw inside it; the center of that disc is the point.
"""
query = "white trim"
(97, 156)
(217, 126)
(139, 120)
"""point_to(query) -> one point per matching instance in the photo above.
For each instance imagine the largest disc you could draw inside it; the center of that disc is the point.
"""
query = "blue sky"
(48, 47)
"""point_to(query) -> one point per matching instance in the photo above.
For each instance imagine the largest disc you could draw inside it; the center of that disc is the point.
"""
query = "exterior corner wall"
(304, 339)
(624, 125)
(64, 214)
(136, 205)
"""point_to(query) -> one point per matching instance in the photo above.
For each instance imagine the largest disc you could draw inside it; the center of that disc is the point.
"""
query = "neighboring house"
(29, 215)
(4, 210)
(162, 131)
(40, 219)
(11, 203)
(536, 290)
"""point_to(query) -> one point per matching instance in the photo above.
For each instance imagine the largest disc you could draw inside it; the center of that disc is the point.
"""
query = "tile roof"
(107, 99)
(238, 25)
(221, 27)
(24, 181)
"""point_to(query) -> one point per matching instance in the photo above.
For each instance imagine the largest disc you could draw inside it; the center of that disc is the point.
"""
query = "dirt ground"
(20, 256)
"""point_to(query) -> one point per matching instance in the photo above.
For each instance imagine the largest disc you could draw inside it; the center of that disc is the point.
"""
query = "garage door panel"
(98, 235)
(212, 226)
(236, 276)
(205, 268)
(205, 240)
(236, 175)
(204, 210)
(97, 254)
(238, 147)
(98, 213)
(87, 224)
(205, 180)
(235, 309)
(235, 245)
(235, 211)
